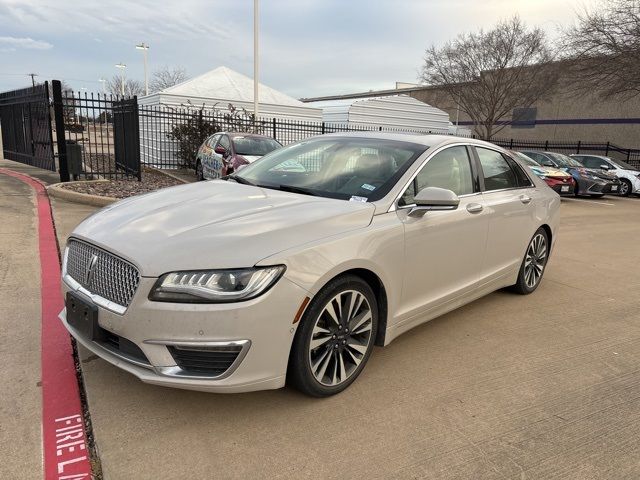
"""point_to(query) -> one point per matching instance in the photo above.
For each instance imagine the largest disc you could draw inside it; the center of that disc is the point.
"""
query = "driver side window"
(449, 168)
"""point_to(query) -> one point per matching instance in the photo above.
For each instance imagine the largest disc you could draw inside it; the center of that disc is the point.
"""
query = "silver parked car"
(296, 266)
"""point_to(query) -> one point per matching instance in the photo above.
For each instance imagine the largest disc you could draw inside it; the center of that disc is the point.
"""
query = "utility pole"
(33, 75)
(255, 60)
(144, 47)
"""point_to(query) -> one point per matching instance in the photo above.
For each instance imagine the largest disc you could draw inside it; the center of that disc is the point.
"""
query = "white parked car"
(629, 175)
(295, 273)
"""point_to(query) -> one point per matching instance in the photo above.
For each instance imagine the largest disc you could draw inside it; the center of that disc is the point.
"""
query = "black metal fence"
(26, 126)
(101, 137)
(170, 136)
(629, 155)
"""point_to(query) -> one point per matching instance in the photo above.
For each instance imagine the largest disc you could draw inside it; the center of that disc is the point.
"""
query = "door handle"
(474, 208)
(525, 199)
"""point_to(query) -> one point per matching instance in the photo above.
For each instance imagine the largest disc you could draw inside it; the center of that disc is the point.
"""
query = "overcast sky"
(308, 47)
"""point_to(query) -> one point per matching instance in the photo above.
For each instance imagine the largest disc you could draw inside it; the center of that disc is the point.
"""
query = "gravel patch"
(151, 180)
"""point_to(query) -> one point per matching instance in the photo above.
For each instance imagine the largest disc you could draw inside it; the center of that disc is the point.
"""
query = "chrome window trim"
(394, 205)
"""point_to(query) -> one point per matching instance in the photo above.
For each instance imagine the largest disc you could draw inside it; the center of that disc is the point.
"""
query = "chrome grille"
(111, 277)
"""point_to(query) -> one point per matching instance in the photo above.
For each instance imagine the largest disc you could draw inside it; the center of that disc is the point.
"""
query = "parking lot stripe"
(65, 452)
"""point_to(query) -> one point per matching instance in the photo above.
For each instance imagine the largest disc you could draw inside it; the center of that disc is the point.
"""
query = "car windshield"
(623, 165)
(350, 168)
(564, 161)
(254, 146)
(527, 160)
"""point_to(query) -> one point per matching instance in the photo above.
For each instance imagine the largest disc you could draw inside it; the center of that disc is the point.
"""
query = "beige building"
(560, 117)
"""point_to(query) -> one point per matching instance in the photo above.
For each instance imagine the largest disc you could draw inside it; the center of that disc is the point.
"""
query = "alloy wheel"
(341, 337)
(624, 189)
(535, 260)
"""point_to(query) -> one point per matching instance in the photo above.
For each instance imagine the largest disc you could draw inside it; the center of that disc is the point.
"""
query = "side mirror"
(220, 150)
(434, 198)
(547, 163)
(604, 166)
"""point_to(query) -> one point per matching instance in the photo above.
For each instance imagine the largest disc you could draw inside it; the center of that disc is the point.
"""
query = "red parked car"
(224, 153)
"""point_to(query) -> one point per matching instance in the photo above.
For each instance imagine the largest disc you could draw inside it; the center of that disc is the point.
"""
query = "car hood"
(216, 224)
(549, 171)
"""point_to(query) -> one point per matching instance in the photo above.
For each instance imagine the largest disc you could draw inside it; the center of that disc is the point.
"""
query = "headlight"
(215, 286)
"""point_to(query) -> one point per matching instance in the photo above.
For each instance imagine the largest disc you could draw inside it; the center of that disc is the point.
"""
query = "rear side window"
(224, 142)
(523, 178)
(212, 140)
(497, 171)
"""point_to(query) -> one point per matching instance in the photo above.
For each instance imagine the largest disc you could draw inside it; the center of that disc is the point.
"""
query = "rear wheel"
(335, 337)
(625, 187)
(199, 171)
(533, 264)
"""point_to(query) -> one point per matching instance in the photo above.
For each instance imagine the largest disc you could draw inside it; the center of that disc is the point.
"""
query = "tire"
(199, 172)
(526, 284)
(625, 187)
(339, 355)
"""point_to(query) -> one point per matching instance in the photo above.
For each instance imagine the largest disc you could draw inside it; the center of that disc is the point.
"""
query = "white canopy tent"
(215, 89)
(222, 86)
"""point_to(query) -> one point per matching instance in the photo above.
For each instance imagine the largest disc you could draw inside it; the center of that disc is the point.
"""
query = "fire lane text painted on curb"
(63, 431)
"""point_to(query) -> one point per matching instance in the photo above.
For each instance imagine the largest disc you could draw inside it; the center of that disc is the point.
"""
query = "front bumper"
(262, 327)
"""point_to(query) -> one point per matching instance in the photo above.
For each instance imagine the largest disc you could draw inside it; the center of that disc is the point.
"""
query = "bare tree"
(166, 77)
(605, 45)
(131, 87)
(489, 73)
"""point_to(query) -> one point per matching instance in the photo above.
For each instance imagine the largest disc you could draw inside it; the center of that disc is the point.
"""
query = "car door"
(206, 155)
(443, 249)
(509, 200)
(220, 159)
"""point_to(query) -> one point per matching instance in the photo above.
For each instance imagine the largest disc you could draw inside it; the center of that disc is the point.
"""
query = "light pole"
(144, 47)
(121, 66)
(255, 60)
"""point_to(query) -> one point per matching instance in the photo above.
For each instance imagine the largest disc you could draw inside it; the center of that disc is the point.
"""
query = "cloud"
(11, 43)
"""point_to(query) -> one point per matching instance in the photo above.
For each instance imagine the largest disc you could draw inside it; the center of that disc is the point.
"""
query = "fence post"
(274, 128)
(380, 129)
(546, 145)
(511, 144)
(58, 114)
(628, 154)
(322, 128)
(606, 152)
(578, 148)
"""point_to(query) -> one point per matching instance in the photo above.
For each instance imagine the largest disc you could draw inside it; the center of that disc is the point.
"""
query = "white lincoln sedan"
(295, 267)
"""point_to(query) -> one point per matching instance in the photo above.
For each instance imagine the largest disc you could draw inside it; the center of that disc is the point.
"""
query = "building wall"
(563, 116)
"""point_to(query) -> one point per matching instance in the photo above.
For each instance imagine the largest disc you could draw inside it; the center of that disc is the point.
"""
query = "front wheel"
(533, 264)
(335, 337)
(625, 187)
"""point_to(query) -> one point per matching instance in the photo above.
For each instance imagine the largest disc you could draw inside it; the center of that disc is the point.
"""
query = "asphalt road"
(539, 387)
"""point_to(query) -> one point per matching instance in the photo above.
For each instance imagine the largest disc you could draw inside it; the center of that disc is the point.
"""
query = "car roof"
(427, 139)
(244, 134)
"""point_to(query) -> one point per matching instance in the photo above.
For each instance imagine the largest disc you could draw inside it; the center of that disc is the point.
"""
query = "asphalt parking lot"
(544, 386)
(538, 387)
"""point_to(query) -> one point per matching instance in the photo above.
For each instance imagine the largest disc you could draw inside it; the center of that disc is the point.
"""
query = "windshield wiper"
(292, 189)
(238, 179)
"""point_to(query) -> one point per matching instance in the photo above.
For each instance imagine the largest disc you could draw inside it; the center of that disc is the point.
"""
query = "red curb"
(64, 440)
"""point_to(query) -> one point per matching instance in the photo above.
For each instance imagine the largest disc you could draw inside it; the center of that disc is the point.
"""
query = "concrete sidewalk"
(20, 401)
